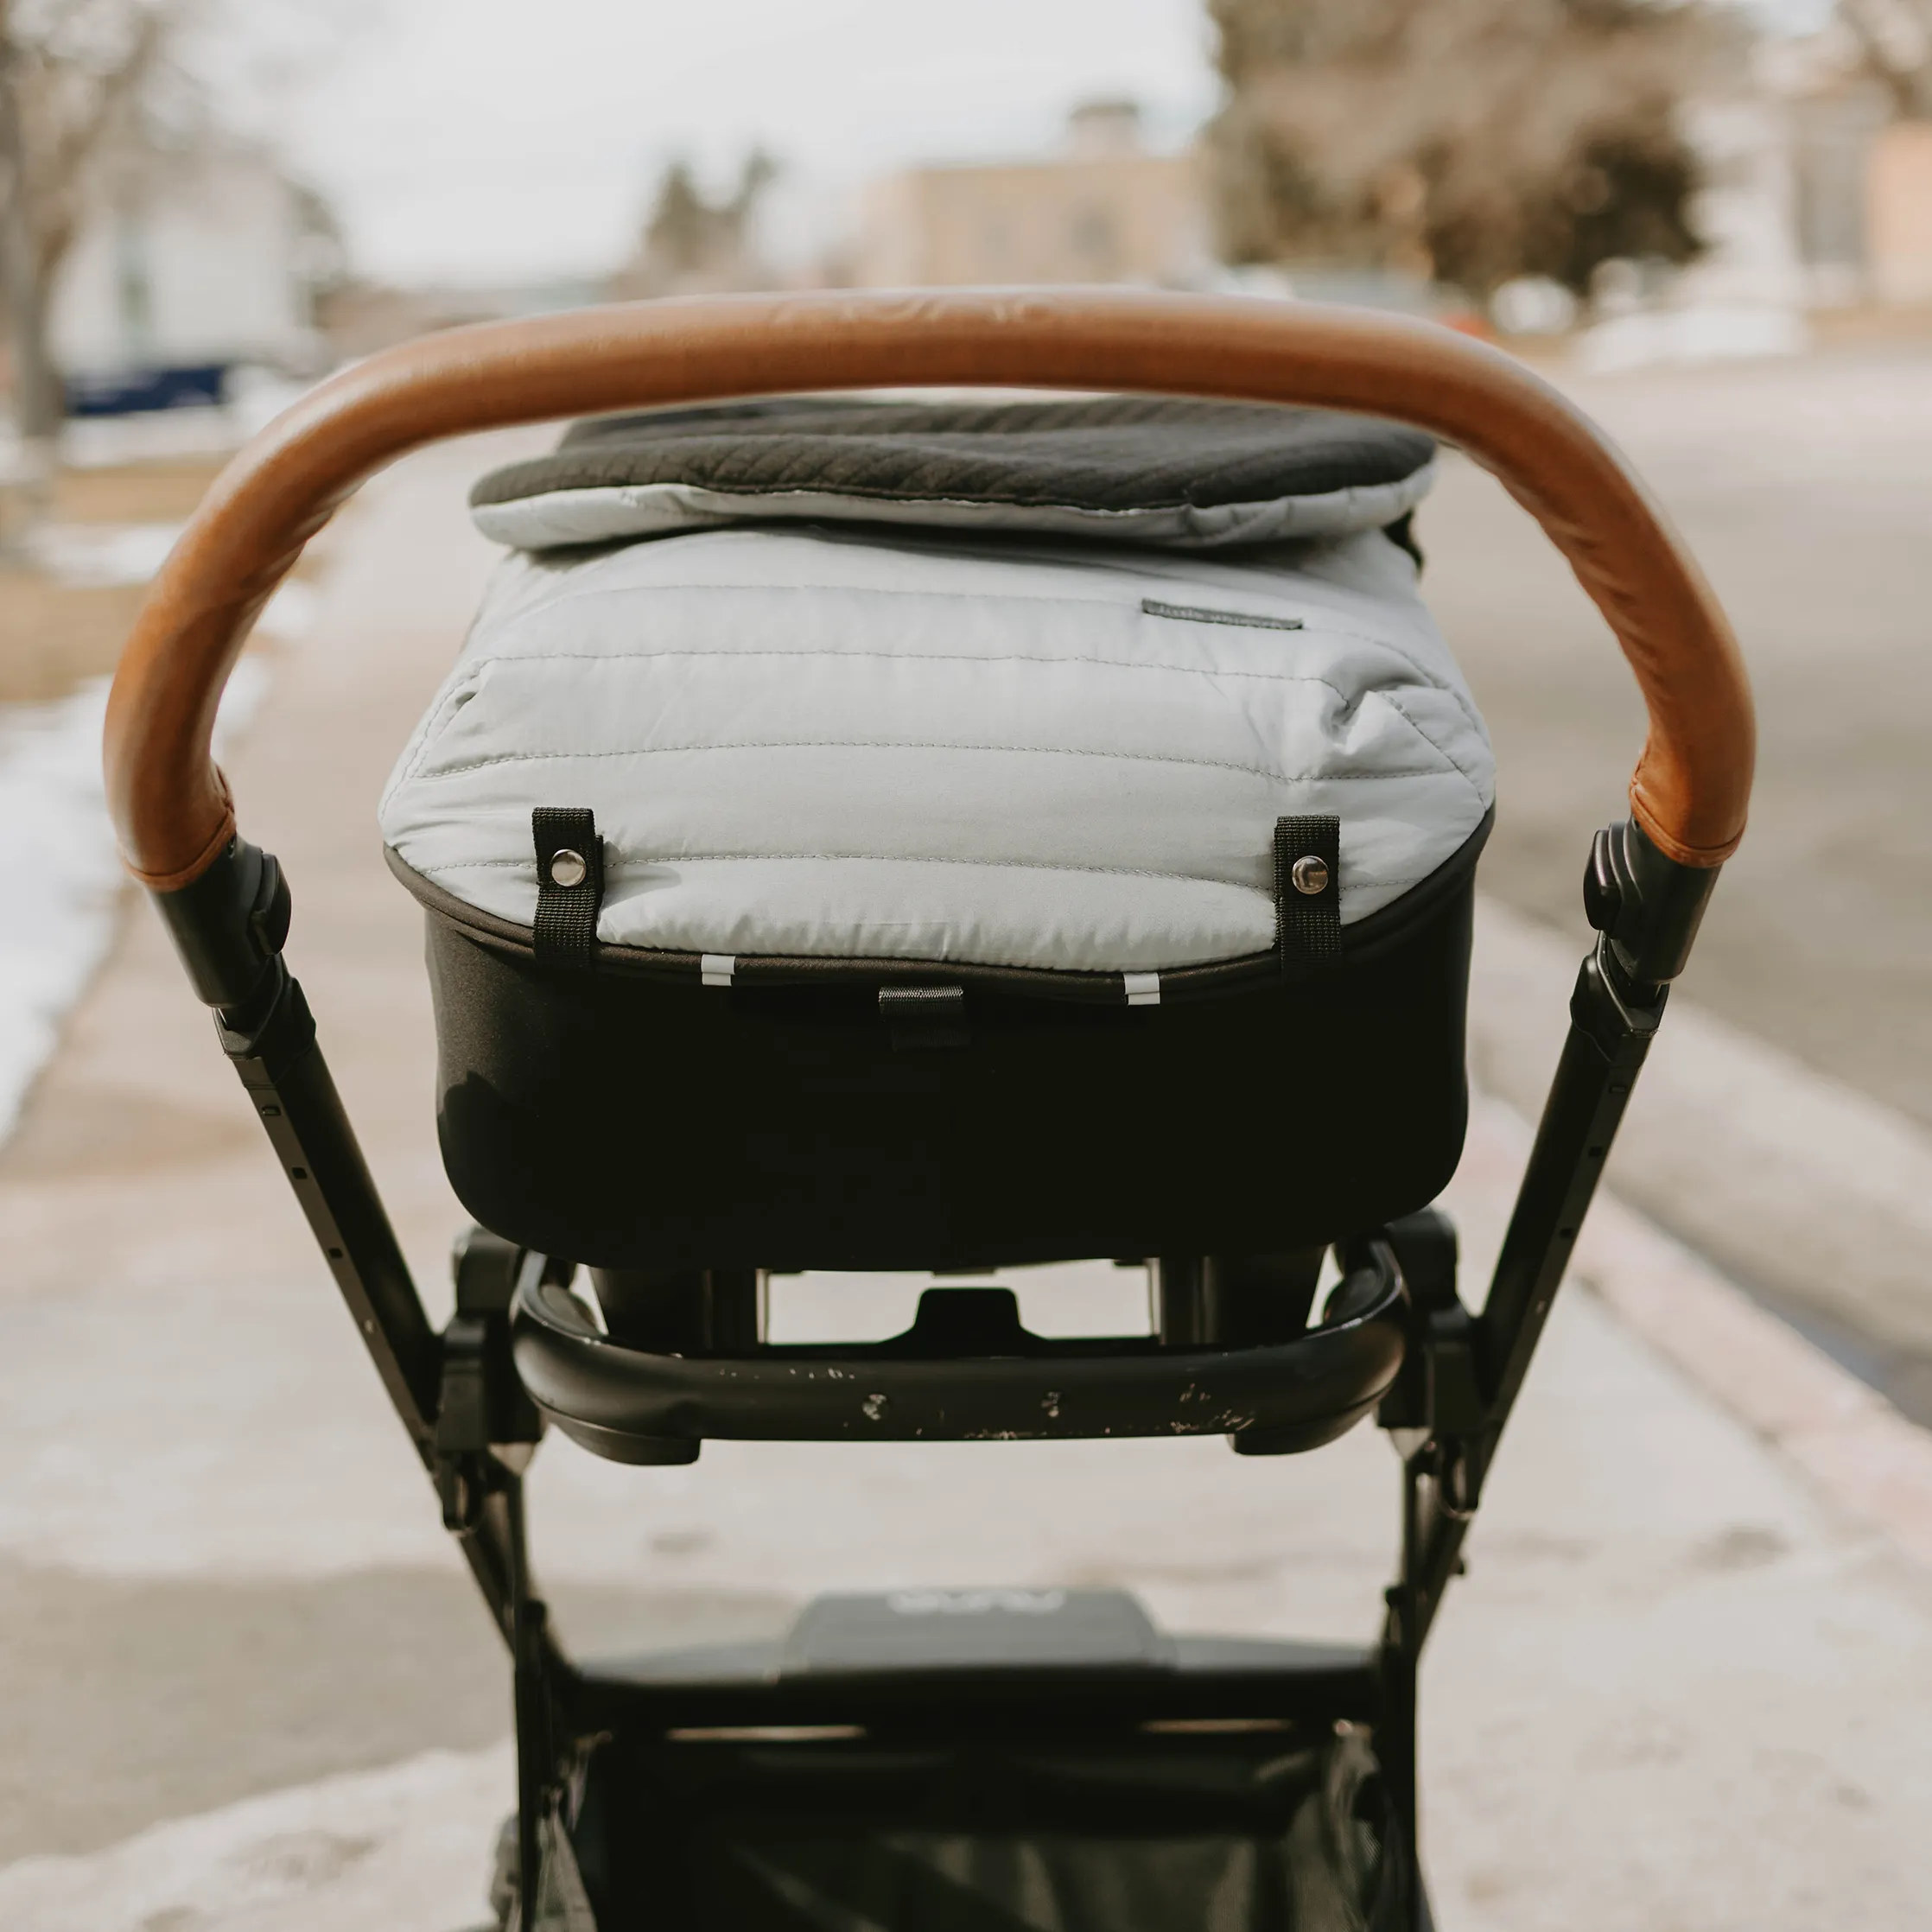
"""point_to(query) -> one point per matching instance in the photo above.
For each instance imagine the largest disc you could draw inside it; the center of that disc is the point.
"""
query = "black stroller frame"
(474, 1399)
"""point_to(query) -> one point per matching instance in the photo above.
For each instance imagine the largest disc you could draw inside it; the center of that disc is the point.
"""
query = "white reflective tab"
(1143, 989)
(717, 968)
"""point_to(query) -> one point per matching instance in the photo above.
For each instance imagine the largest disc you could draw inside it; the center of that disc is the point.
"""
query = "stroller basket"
(1121, 1773)
(952, 837)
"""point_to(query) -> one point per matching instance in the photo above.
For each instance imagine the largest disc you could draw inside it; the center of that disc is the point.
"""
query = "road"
(1679, 1687)
(1805, 490)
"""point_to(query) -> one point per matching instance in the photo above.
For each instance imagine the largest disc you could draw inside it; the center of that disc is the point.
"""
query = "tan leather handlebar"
(172, 806)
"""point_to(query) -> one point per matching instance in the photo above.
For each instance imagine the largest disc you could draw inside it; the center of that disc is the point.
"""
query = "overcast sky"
(478, 139)
(512, 139)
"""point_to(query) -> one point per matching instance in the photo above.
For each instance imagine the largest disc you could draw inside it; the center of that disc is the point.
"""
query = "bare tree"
(77, 77)
(1469, 140)
(1894, 37)
(691, 242)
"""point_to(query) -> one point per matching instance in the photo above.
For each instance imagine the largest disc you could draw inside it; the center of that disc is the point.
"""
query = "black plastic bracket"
(483, 1411)
(230, 924)
(1646, 905)
(1436, 1412)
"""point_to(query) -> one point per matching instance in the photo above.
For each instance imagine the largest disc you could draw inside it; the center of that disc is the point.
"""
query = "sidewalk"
(1681, 1686)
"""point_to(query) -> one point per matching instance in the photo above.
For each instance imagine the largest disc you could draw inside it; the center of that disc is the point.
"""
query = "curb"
(1859, 1449)
(1737, 1143)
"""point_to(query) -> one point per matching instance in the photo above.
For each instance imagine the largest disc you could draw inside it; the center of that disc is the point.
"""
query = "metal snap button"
(1310, 875)
(568, 868)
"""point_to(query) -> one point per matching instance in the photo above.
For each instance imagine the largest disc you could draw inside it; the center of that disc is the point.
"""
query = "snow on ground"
(87, 556)
(254, 397)
(61, 876)
(399, 1847)
(92, 555)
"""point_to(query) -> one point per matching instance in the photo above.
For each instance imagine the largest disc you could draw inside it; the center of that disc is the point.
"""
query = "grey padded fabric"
(875, 741)
(598, 515)
(1126, 468)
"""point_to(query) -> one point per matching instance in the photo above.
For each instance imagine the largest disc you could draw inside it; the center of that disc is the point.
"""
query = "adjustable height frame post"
(228, 926)
(1396, 1729)
(447, 1390)
(1433, 1406)
(1448, 1412)
(1610, 1035)
(288, 1079)
(1464, 1374)
(533, 1697)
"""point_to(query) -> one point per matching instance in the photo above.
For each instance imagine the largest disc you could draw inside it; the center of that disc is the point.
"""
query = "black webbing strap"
(1307, 890)
(569, 883)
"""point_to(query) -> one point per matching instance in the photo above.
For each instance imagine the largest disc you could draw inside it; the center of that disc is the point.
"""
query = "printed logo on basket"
(975, 1603)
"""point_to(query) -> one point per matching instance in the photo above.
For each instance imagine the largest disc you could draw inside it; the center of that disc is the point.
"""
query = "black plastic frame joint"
(1438, 1397)
(230, 924)
(462, 1489)
(480, 1401)
(1614, 1015)
(275, 1029)
(1427, 1249)
(485, 1268)
(1647, 905)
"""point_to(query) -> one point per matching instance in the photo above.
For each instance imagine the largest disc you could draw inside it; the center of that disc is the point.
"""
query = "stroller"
(949, 834)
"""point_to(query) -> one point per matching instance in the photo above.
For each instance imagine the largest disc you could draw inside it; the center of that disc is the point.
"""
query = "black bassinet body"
(629, 1119)
(1015, 832)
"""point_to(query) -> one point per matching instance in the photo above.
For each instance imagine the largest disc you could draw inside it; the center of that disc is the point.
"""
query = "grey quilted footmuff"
(1015, 685)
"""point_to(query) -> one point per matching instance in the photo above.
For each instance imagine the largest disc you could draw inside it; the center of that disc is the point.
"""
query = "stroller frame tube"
(227, 906)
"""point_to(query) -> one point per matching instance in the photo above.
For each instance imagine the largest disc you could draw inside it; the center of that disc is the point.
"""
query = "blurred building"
(1851, 179)
(1815, 194)
(1898, 213)
(211, 257)
(1105, 209)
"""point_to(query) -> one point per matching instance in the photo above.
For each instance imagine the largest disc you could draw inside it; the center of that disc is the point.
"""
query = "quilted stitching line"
(431, 729)
(1390, 699)
(907, 658)
(637, 865)
(1421, 670)
(899, 745)
(1010, 658)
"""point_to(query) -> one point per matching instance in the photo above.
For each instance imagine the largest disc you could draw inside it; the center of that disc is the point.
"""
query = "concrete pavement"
(1803, 487)
(1680, 1687)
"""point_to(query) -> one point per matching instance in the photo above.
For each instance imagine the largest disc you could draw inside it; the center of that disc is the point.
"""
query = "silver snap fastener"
(1310, 875)
(568, 868)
